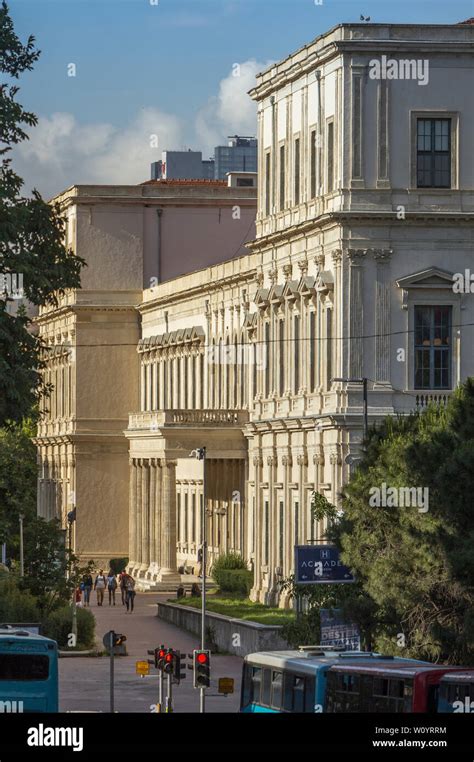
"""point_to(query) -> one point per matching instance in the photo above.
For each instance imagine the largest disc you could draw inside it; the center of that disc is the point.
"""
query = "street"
(84, 681)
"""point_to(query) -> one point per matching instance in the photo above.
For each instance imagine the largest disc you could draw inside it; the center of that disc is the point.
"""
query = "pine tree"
(418, 565)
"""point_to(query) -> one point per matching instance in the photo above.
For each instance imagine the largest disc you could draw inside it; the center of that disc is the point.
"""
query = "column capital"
(382, 255)
(357, 256)
(336, 255)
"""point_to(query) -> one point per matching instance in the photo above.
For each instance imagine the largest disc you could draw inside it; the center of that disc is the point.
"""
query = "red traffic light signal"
(202, 668)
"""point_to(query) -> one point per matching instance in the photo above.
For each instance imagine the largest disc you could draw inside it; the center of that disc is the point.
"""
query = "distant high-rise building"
(240, 155)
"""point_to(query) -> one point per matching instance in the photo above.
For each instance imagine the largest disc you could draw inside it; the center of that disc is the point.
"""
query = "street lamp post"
(362, 381)
(71, 517)
(200, 454)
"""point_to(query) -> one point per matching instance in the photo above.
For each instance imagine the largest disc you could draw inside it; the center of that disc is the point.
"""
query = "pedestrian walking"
(130, 593)
(111, 586)
(99, 587)
(123, 586)
(88, 584)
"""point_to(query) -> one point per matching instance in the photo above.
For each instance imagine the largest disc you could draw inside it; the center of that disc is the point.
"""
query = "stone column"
(356, 312)
(132, 517)
(152, 519)
(138, 504)
(382, 315)
(168, 570)
(145, 560)
(257, 525)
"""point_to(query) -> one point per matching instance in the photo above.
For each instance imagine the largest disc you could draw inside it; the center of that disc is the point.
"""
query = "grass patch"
(239, 607)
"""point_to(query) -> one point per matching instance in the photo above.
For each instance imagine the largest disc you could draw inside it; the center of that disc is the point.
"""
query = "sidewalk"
(84, 682)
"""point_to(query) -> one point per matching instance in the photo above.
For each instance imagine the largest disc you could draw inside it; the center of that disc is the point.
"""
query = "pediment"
(432, 277)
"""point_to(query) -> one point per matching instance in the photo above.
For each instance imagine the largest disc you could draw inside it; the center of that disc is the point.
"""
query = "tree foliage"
(418, 567)
(31, 239)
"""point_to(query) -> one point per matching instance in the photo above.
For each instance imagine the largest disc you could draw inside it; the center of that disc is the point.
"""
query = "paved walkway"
(84, 682)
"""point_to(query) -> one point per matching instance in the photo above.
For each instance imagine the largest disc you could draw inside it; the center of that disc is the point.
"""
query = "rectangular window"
(267, 184)
(193, 518)
(266, 687)
(433, 347)
(297, 171)
(178, 517)
(266, 548)
(433, 153)
(277, 693)
(296, 378)
(282, 178)
(297, 521)
(23, 667)
(281, 535)
(329, 347)
(312, 351)
(313, 165)
(254, 373)
(330, 155)
(186, 517)
(256, 685)
(281, 339)
(267, 364)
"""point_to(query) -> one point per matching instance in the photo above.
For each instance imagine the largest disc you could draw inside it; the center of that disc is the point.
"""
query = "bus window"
(246, 685)
(266, 687)
(293, 693)
(408, 696)
(277, 685)
(310, 693)
(432, 699)
(256, 678)
(24, 667)
(298, 694)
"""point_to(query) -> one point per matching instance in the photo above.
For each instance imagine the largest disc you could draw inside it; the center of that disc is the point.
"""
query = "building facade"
(364, 218)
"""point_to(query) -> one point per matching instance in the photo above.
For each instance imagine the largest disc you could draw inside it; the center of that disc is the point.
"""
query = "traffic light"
(202, 669)
(179, 664)
(168, 662)
(118, 639)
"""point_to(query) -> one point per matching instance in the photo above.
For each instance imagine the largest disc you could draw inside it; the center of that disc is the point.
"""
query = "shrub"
(234, 580)
(59, 624)
(118, 565)
(228, 561)
(16, 605)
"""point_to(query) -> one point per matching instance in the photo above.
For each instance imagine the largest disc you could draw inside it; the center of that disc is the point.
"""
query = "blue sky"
(139, 64)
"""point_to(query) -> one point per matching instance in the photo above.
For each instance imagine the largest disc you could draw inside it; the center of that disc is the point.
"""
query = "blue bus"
(28, 672)
(456, 692)
(295, 681)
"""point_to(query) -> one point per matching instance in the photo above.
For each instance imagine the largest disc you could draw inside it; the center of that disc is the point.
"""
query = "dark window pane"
(24, 667)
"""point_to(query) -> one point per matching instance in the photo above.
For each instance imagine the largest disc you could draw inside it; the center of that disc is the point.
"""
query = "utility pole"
(365, 397)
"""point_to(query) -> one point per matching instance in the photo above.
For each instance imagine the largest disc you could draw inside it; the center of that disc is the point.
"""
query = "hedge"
(234, 580)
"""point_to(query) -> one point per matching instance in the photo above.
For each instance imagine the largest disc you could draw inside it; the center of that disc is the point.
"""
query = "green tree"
(418, 565)
(31, 240)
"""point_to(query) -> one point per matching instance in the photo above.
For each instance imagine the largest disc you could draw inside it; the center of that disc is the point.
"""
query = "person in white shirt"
(99, 587)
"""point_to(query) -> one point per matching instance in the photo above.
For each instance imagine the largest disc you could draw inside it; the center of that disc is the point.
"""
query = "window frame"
(454, 144)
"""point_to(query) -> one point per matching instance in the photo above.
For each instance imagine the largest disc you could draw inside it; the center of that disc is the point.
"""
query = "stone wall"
(252, 637)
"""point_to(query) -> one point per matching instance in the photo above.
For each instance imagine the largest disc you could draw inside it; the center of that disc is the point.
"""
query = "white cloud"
(231, 111)
(62, 152)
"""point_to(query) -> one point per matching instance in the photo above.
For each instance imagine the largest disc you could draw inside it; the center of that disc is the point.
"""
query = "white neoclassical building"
(364, 217)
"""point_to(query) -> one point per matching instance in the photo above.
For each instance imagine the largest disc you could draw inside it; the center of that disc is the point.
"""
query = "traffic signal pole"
(112, 645)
